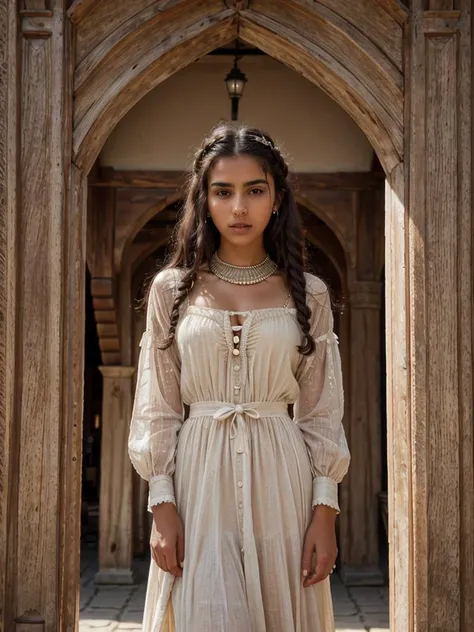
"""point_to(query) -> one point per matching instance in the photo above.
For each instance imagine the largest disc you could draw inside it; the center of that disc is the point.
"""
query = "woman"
(244, 496)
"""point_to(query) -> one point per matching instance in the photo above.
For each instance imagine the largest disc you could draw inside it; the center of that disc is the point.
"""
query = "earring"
(275, 211)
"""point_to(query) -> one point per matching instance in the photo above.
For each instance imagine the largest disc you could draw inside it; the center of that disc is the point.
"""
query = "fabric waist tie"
(236, 413)
(240, 415)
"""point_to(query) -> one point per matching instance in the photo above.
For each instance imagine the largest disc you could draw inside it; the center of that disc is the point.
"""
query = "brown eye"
(257, 191)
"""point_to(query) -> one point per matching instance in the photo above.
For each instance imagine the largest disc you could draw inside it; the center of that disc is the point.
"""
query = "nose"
(240, 208)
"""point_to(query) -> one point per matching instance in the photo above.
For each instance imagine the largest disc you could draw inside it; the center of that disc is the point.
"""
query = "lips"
(240, 225)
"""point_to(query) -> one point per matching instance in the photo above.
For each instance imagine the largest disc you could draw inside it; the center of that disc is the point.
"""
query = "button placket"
(236, 329)
(238, 361)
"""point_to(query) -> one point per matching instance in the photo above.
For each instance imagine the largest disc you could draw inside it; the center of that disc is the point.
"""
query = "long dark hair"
(195, 239)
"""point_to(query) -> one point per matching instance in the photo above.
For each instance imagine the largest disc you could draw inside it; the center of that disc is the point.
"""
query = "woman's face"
(241, 198)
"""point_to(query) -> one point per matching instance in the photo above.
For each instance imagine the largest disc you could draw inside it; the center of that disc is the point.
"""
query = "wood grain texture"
(399, 437)
(115, 527)
(441, 328)
(39, 340)
(124, 54)
(396, 9)
(441, 439)
(344, 42)
(162, 60)
(319, 67)
(101, 233)
(441, 5)
(38, 331)
(97, 20)
(364, 485)
(429, 262)
(466, 309)
(8, 253)
(152, 16)
(379, 20)
(73, 397)
(354, 66)
(354, 181)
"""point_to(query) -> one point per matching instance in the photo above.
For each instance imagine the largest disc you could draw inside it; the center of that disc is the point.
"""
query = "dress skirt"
(243, 484)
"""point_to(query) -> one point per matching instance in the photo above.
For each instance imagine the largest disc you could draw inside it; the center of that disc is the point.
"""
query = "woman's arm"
(318, 413)
(157, 412)
(320, 405)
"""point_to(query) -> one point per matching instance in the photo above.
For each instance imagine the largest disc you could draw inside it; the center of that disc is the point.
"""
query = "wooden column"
(115, 519)
(440, 256)
(42, 255)
(359, 549)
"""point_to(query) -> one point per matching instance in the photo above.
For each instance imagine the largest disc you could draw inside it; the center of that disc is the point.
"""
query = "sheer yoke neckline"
(238, 318)
(236, 312)
(232, 312)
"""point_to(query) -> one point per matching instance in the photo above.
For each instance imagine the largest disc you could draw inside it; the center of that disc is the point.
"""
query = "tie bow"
(237, 413)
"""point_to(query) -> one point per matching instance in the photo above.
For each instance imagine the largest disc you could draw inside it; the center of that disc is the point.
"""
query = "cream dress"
(243, 474)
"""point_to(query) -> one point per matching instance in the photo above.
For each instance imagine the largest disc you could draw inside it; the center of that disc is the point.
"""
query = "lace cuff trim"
(325, 492)
(161, 491)
(160, 501)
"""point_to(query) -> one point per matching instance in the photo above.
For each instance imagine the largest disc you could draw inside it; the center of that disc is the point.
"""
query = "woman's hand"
(320, 538)
(167, 539)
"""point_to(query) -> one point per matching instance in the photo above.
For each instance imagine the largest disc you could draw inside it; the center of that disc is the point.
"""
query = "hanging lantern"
(235, 82)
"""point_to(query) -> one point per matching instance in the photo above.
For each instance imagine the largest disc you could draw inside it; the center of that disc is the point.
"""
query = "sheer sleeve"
(157, 410)
(320, 404)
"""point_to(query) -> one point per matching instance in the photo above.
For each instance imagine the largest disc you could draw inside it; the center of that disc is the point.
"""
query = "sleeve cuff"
(325, 492)
(161, 490)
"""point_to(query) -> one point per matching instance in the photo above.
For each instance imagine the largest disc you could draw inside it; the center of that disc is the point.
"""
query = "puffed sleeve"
(320, 404)
(157, 410)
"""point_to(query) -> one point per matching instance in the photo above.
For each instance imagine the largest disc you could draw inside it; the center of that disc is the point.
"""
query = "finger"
(162, 563)
(323, 568)
(307, 559)
(180, 550)
(171, 559)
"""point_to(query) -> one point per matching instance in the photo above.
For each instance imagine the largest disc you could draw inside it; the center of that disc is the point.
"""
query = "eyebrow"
(246, 184)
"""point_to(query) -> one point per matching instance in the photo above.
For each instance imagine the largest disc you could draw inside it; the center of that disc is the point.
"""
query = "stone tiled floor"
(117, 608)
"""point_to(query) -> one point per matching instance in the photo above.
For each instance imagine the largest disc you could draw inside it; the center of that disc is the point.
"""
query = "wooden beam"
(144, 179)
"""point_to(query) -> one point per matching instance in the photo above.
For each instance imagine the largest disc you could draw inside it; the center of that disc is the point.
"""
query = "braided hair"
(195, 240)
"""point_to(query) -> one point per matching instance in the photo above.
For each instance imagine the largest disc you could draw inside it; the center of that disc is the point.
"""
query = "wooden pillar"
(439, 112)
(41, 354)
(115, 519)
(359, 546)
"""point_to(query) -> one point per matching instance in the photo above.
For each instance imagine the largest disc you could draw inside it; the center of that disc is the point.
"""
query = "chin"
(242, 240)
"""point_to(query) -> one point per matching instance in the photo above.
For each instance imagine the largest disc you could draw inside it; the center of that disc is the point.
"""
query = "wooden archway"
(122, 54)
(405, 76)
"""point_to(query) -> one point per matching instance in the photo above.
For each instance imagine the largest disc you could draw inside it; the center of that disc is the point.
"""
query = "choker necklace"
(242, 275)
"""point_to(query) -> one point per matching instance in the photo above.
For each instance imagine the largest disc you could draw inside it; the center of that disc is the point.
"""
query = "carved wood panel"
(440, 251)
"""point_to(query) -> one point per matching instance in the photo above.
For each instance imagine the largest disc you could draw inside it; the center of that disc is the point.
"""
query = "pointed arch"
(355, 61)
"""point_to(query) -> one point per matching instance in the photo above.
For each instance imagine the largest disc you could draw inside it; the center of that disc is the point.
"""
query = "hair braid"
(182, 290)
(294, 269)
(197, 238)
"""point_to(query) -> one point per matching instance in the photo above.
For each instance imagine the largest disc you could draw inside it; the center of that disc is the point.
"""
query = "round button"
(236, 367)
(240, 450)
(236, 352)
(237, 388)
(240, 484)
(231, 313)
(236, 339)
